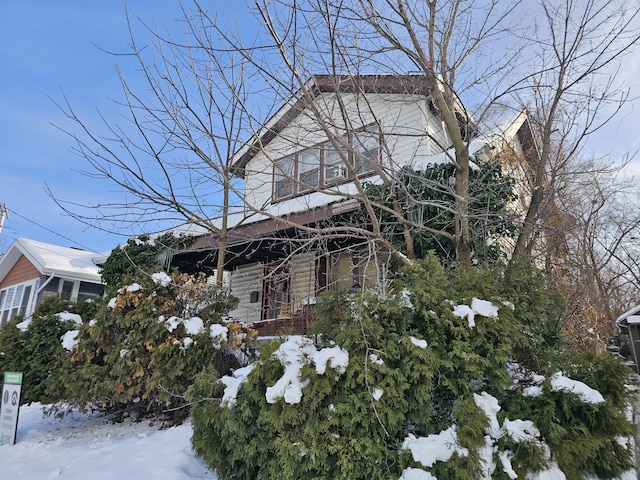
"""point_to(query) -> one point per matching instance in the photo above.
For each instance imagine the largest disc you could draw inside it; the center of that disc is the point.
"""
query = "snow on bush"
(233, 383)
(587, 394)
(293, 355)
(438, 447)
(218, 334)
(161, 278)
(559, 383)
(70, 339)
(66, 316)
(134, 287)
(478, 307)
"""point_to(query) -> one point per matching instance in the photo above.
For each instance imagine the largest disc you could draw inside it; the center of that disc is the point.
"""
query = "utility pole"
(4, 214)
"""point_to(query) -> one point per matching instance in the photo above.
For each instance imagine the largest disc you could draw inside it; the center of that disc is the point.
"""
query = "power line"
(13, 212)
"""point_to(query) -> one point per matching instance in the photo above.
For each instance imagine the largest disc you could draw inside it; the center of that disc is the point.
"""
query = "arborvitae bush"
(351, 424)
(146, 346)
(37, 349)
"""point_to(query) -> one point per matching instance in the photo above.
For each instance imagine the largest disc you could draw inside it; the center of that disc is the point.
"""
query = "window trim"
(73, 294)
(299, 188)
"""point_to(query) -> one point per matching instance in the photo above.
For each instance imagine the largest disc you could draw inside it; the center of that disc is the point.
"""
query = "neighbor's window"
(67, 287)
(16, 300)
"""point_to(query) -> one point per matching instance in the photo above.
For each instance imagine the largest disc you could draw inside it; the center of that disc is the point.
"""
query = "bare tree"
(572, 89)
(462, 60)
(597, 268)
(352, 39)
(170, 157)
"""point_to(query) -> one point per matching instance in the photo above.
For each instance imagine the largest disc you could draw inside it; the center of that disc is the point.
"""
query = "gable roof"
(317, 84)
(68, 263)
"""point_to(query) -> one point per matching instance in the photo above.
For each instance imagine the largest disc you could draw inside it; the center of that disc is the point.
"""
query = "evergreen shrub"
(146, 346)
(35, 348)
(416, 369)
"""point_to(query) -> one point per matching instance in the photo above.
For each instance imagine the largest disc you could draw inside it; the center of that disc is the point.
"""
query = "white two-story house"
(301, 172)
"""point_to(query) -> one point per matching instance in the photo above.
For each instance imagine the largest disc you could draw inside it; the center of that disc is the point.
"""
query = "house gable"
(322, 84)
(403, 125)
(22, 271)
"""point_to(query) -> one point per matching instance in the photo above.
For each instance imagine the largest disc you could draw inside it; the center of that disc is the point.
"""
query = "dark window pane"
(367, 151)
(67, 287)
(25, 300)
(283, 178)
(309, 169)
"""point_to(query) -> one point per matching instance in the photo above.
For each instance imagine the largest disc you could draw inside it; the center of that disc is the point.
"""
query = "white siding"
(242, 282)
(303, 280)
(409, 129)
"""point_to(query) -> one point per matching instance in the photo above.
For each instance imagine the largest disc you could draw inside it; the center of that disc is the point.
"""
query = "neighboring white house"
(31, 270)
(629, 325)
(300, 169)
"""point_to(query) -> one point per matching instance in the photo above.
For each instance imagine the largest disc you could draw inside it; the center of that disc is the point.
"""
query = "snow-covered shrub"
(580, 414)
(34, 347)
(145, 347)
(419, 384)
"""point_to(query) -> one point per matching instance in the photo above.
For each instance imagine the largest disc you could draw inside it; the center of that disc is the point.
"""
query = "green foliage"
(344, 429)
(38, 350)
(139, 255)
(142, 351)
(585, 438)
(429, 204)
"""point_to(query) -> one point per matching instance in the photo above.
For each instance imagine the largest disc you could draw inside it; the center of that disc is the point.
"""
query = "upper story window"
(309, 169)
(366, 147)
(324, 165)
(283, 178)
(335, 169)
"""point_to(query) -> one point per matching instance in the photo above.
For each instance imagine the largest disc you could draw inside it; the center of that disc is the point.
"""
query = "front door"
(277, 281)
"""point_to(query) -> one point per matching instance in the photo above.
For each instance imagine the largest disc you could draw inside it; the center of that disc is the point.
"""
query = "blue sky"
(47, 47)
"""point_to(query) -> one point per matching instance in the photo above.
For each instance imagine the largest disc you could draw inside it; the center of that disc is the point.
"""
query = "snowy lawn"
(81, 447)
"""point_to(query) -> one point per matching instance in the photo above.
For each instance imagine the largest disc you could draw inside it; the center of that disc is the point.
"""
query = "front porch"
(287, 323)
(277, 270)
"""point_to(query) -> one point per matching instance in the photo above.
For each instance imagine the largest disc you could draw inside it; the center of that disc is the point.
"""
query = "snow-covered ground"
(81, 447)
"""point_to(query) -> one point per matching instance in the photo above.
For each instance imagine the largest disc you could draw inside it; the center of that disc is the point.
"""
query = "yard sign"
(9, 407)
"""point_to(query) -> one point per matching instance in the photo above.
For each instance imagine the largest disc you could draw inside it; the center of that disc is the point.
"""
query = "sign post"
(10, 407)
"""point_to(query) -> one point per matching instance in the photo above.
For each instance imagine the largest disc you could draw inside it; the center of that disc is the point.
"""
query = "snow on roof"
(51, 259)
(621, 319)
(304, 203)
(496, 136)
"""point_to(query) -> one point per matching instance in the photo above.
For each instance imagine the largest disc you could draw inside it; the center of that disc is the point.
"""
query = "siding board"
(22, 271)
(243, 281)
(303, 268)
